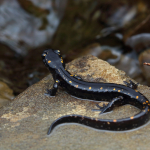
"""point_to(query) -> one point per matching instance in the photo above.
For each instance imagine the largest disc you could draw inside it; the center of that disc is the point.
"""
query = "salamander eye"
(43, 55)
(57, 52)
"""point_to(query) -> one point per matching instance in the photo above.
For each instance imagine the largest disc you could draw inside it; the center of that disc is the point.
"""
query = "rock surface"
(23, 21)
(25, 121)
(6, 94)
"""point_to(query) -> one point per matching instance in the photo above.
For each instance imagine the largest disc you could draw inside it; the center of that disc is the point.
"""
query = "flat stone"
(25, 121)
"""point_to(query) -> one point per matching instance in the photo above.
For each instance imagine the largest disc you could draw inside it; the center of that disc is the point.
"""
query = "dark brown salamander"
(115, 94)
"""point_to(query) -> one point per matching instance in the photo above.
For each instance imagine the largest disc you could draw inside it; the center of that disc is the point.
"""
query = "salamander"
(115, 94)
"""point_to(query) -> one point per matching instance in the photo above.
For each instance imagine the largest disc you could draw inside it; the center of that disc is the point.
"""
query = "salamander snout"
(43, 57)
(44, 54)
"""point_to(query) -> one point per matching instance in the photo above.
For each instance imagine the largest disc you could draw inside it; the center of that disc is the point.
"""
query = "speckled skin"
(115, 94)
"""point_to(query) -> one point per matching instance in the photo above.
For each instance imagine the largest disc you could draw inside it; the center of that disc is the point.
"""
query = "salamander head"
(52, 59)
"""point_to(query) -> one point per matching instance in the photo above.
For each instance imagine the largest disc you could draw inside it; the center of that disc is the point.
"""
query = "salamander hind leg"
(100, 107)
(131, 84)
(109, 107)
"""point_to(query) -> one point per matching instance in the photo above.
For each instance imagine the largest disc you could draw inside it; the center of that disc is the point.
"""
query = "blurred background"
(115, 31)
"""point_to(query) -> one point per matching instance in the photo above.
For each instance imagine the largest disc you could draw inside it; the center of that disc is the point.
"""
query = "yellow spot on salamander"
(70, 81)
(58, 50)
(89, 88)
(61, 60)
(146, 101)
(71, 75)
(136, 91)
(118, 90)
(44, 54)
(114, 120)
(114, 89)
(49, 61)
(76, 86)
(56, 81)
(131, 117)
(108, 122)
(101, 88)
(137, 97)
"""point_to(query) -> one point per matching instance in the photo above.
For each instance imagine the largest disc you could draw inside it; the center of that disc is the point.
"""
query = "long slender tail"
(113, 125)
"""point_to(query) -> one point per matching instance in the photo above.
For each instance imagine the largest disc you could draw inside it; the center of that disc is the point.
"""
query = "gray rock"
(21, 29)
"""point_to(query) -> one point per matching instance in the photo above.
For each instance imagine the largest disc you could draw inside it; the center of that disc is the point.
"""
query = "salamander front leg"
(109, 107)
(131, 84)
(52, 92)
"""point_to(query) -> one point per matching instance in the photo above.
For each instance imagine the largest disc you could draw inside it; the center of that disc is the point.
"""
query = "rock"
(6, 94)
(139, 42)
(29, 24)
(25, 121)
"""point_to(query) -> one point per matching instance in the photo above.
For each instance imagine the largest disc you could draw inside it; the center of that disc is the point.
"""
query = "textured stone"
(6, 94)
(25, 121)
